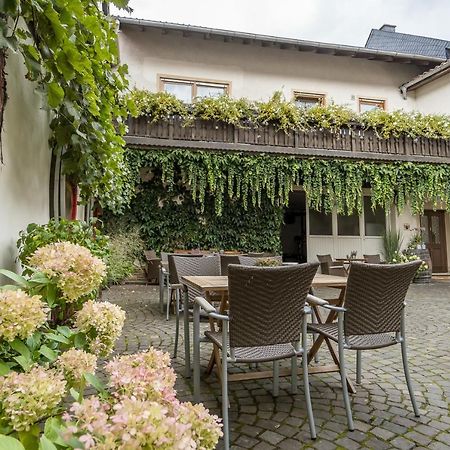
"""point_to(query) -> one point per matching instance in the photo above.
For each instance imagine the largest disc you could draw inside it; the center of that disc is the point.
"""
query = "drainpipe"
(74, 206)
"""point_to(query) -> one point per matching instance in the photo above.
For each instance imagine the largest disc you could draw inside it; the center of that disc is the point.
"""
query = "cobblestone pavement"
(381, 407)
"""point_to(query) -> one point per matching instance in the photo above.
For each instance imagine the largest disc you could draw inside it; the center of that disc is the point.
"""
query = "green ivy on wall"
(190, 199)
(248, 179)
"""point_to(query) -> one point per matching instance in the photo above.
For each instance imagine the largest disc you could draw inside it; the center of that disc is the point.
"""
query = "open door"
(433, 223)
(293, 231)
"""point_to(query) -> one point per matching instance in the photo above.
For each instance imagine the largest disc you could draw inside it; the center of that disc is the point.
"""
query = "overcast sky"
(337, 21)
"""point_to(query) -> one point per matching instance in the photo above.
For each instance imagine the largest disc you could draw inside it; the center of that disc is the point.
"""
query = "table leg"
(187, 346)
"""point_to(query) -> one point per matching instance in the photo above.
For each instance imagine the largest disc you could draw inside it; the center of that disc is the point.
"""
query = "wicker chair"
(225, 261)
(183, 266)
(373, 259)
(152, 266)
(266, 321)
(373, 317)
(330, 267)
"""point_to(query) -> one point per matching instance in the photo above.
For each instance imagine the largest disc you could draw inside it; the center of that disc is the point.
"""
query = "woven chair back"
(325, 263)
(372, 259)
(184, 266)
(164, 257)
(267, 303)
(247, 260)
(225, 261)
(375, 295)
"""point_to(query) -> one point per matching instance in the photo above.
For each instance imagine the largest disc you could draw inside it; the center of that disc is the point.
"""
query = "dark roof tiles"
(392, 41)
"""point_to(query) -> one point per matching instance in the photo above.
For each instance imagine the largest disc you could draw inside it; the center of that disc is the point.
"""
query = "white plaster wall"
(434, 97)
(256, 72)
(24, 176)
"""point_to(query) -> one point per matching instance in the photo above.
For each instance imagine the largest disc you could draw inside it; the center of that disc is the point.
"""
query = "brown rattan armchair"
(225, 261)
(373, 259)
(152, 266)
(266, 322)
(330, 267)
(372, 317)
(183, 266)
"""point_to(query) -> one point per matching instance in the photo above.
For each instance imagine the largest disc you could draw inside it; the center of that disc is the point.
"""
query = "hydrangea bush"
(77, 272)
(102, 324)
(20, 314)
(27, 398)
(142, 411)
(74, 364)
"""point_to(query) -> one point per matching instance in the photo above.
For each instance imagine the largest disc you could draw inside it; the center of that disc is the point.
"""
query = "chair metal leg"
(358, 366)
(161, 291)
(187, 344)
(276, 379)
(406, 368)
(177, 322)
(341, 342)
(312, 426)
(314, 335)
(196, 360)
(294, 381)
(169, 298)
(226, 428)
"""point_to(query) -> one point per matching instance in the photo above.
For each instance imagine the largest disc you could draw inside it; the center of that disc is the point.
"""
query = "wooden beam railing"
(354, 142)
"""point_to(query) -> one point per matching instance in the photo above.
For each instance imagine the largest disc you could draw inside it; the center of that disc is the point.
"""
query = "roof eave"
(301, 45)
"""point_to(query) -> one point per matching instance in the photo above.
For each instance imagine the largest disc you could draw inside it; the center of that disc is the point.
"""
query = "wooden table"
(219, 284)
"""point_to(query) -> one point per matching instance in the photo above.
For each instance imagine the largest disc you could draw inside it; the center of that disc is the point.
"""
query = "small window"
(374, 220)
(307, 100)
(348, 225)
(320, 223)
(186, 89)
(369, 104)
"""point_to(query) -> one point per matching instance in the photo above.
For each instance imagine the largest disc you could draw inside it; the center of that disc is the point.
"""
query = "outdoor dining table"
(208, 285)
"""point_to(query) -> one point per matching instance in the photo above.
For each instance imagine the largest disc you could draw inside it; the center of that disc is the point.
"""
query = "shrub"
(78, 232)
(125, 248)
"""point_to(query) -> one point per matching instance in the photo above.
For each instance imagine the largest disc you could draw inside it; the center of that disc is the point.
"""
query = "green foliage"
(75, 231)
(392, 241)
(277, 111)
(171, 219)
(125, 247)
(156, 105)
(250, 179)
(70, 49)
(224, 109)
(412, 124)
(331, 117)
(286, 116)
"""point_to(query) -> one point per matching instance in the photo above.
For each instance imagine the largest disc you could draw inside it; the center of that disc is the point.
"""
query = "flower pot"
(423, 276)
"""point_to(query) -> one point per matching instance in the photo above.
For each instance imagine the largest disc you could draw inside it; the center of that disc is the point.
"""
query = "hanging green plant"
(156, 105)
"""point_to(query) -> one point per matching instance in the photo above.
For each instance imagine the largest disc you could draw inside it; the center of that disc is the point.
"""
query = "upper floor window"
(308, 100)
(369, 104)
(186, 89)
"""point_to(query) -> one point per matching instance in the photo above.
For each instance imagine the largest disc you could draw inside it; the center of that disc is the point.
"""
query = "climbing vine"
(70, 49)
(249, 179)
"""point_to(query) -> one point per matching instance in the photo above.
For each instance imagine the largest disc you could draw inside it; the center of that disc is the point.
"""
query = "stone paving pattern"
(381, 407)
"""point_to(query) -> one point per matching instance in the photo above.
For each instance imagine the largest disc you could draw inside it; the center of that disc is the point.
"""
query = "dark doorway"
(433, 223)
(293, 231)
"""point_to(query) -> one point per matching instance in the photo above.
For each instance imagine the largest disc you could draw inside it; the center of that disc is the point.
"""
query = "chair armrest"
(205, 305)
(316, 301)
(338, 271)
(334, 308)
(154, 260)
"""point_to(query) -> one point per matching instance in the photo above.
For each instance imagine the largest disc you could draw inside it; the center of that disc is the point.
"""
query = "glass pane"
(320, 224)
(425, 229)
(435, 231)
(307, 102)
(348, 225)
(374, 221)
(210, 91)
(182, 91)
(369, 106)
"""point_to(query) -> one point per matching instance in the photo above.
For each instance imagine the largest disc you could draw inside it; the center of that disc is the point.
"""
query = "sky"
(336, 21)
